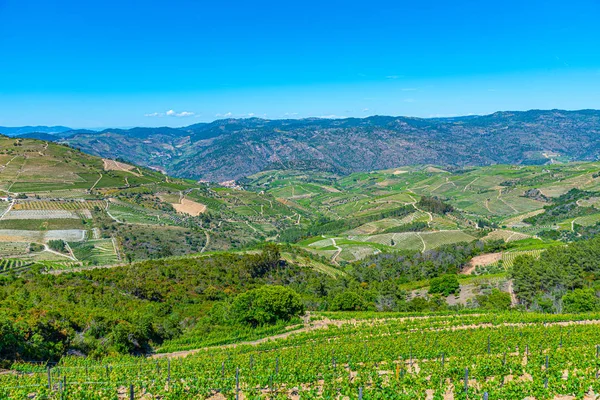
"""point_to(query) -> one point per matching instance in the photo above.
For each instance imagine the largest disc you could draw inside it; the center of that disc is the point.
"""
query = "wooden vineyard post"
(49, 378)
(237, 384)
(485, 396)
(488, 344)
(131, 392)
(443, 359)
(168, 374)
(277, 366)
(360, 393)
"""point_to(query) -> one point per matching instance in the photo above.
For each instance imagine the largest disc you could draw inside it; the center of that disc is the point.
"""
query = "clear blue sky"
(154, 63)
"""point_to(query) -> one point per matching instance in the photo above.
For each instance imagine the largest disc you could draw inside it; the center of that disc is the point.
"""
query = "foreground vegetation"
(507, 356)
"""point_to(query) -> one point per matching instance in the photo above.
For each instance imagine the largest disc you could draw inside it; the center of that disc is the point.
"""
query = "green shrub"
(496, 300)
(267, 305)
(444, 285)
(580, 300)
(348, 301)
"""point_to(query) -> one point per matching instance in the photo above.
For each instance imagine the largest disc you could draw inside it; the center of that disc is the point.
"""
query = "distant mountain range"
(23, 130)
(233, 148)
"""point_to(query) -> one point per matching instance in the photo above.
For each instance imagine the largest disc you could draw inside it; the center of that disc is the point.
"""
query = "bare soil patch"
(112, 165)
(189, 207)
(481, 261)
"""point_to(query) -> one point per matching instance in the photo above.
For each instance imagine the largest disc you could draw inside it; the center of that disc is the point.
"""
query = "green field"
(400, 356)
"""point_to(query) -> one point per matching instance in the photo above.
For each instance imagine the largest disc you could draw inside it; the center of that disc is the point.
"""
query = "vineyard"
(13, 265)
(468, 356)
(71, 205)
(508, 258)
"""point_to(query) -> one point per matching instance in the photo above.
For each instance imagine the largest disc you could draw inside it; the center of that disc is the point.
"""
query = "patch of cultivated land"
(71, 205)
(16, 235)
(46, 214)
(507, 236)
(189, 207)
(112, 165)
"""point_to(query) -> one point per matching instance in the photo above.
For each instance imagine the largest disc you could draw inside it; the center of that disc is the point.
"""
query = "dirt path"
(70, 250)
(49, 250)
(10, 206)
(338, 248)
(308, 327)
(414, 204)
(325, 323)
(116, 247)
(321, 324)
(481, 261)
(207, 241)
(469, 184)
(422, 241)
(95, 183)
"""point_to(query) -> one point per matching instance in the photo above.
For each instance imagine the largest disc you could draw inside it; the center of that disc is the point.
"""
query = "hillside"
(63, 209)
(230, 149)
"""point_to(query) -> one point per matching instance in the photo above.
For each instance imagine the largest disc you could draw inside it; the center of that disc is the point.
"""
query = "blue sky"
(156, 63)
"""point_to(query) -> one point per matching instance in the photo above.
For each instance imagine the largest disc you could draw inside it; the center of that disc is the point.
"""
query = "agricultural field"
(508, 258)
(400, 356)
(96, 252)
(55, 192)
(495, 203)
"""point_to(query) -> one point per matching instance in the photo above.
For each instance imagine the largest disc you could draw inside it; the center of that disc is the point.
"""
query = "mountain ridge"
(232, 148)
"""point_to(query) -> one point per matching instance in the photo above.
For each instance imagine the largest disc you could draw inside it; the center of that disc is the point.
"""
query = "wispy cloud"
(365, 109)
(171, 113)
(226, 115)
(332, 116)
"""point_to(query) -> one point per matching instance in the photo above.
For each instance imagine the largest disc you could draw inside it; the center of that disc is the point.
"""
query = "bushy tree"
(580, 300)
(267, 305)
(496, 300)
(444, 285)
(348, 301)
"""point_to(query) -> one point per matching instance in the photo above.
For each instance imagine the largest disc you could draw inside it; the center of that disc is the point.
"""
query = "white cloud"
(226, 115)
(365, 109)
(171, 113)
(332, 116)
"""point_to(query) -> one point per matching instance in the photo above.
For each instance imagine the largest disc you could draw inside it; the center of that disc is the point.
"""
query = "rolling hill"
(233, 148)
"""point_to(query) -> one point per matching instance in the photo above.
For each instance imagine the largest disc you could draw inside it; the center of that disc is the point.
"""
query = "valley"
(121, 263)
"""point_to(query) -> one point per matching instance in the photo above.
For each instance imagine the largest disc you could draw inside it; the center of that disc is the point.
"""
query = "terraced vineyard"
(73, 205)
(13, 265)
(496, 356)
(508, 258)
